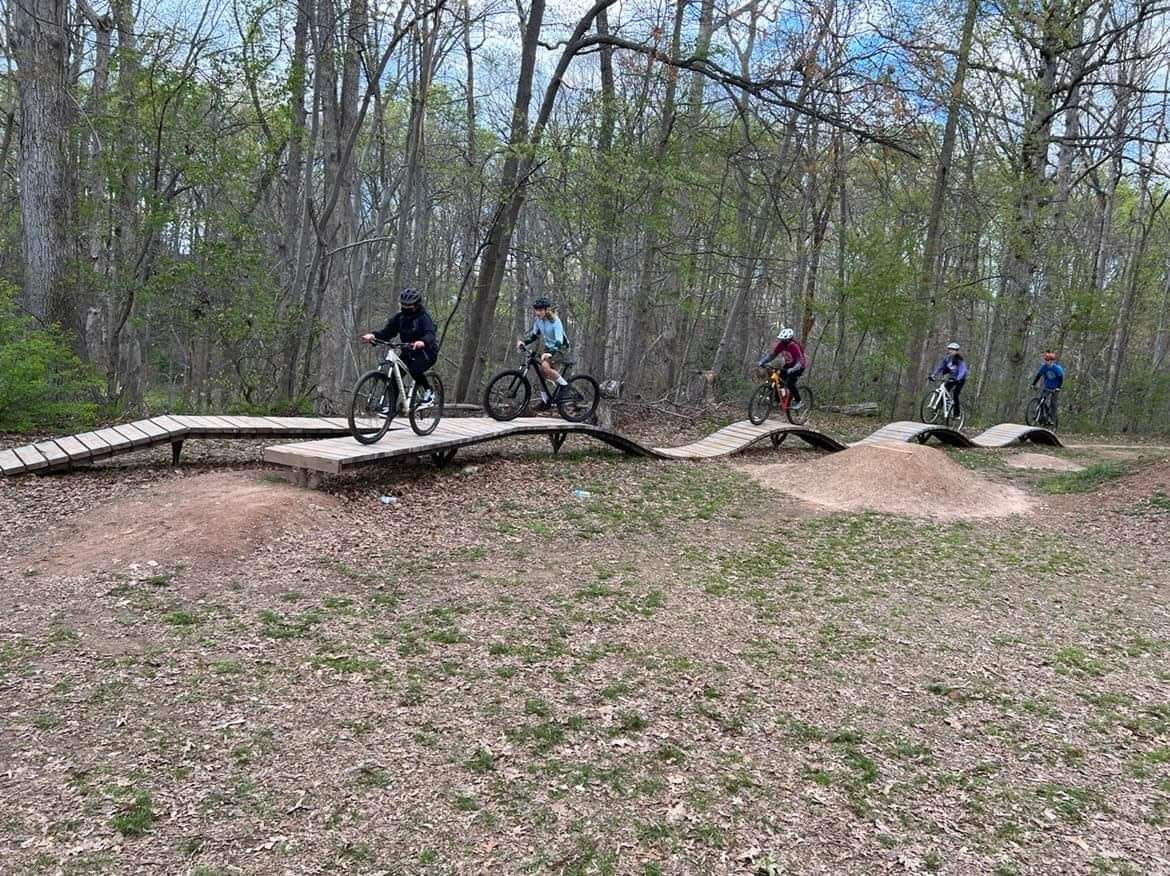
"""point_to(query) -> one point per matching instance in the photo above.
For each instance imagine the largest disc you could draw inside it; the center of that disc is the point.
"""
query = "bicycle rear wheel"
(931, 408)
(425, 415)
(1033, 412)
(579, 399)
(799, 416)
(507, 395)
(372, 407)
(760, 404)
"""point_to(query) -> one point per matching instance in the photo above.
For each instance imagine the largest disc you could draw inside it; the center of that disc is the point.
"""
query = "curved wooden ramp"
(909, 430)
(335, 455)
(1006, 434)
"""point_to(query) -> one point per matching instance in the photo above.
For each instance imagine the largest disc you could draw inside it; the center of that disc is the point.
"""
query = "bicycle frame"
(942, 396)
(532, 362)
(395, 368)
(783, 396)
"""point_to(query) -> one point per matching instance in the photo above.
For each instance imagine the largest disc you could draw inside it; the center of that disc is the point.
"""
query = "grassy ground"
(681, 673)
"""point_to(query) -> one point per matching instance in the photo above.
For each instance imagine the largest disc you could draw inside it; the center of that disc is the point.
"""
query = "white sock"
(543, 396)
(561, 382)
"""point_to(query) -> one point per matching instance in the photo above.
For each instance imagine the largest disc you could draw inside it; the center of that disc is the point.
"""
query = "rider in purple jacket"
(953, 368)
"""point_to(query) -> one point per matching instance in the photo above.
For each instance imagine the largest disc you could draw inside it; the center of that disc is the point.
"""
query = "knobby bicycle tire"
(426, 425)
(373, 404)
(579, 399)
(507, 395)
(760, 403)
(807, 399)
(929, 414)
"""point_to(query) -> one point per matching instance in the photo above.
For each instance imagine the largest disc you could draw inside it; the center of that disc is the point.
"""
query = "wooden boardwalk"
(335, 455)
(63, 453)
(336, 451)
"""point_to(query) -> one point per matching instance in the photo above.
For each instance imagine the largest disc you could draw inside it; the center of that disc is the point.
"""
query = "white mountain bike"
(381, 393)
(939, 407)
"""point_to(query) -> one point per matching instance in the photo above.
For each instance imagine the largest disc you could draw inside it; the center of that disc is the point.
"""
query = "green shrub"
(43, 385)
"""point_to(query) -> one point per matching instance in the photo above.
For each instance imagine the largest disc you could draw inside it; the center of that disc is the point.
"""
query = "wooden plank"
(10, 463)
(56, 457)
(31, 457)
(116, 441)
(206, 424)
(169, 422)
(73, 448)
(93, 443)
(133, 435)
(152, 429)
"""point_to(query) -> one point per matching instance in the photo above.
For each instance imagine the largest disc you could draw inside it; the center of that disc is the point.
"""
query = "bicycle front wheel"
(931, 408)
(1032, 412)
(578, 401)
(372, 407)
(798, 416)
(507, 395)
(425, 413)
(760, 404)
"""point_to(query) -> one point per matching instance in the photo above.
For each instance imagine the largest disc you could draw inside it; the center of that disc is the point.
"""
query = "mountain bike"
(382, 393)
(773, 393)
(508, 393)
(939, 406)
(1041, 411)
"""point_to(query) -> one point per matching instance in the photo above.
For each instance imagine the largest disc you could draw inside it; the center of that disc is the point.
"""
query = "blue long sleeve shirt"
(954, 367)
(1053, 376)
(552, 333)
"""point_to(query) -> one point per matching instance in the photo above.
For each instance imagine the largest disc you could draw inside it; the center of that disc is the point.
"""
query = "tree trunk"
(40, 42)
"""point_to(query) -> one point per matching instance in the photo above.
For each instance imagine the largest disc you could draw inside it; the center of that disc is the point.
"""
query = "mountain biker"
(1053, 375)
(547, 326)
(954, 368)
(416, 328)
(793, 362)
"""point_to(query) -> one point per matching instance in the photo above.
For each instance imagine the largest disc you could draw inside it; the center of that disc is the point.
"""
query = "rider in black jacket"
(416, 328)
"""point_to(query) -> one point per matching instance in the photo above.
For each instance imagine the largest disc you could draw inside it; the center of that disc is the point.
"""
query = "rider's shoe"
(428, 396)
(796, 406)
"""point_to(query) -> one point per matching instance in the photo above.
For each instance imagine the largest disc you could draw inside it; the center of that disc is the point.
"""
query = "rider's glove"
(762, 361)
(519, 345)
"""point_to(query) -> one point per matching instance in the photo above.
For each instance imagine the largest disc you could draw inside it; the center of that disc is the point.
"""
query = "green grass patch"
(1089, 478)
(135, 817)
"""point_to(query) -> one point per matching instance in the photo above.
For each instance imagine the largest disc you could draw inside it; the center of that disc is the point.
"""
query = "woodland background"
(203, 204)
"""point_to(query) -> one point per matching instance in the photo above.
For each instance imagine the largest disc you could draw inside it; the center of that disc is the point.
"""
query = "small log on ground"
(860, 409)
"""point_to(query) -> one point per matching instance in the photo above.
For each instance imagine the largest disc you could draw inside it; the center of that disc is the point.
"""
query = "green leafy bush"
(43, 385)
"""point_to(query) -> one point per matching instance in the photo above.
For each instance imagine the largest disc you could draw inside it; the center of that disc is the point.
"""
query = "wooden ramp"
(1003, 435)
(63, 453)
(335, 455)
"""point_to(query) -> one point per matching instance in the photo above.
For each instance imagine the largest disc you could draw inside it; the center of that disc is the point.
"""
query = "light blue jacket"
(551, 331)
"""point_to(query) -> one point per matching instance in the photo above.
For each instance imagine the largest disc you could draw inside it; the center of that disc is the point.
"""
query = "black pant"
(418, 362)
(955, 387)
(790, 376)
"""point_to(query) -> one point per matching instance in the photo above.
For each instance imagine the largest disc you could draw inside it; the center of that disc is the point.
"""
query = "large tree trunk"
(477, 328)
(923, 310)
(40, 42)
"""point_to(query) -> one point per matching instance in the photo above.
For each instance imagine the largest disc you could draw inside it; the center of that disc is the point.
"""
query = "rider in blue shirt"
(953, 368)
(1053, 375)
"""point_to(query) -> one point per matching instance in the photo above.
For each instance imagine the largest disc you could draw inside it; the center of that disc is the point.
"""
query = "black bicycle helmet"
(409, 296)
(541, 302)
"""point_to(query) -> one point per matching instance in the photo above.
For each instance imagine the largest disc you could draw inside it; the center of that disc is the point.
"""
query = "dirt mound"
(193, 521)
(907, 479)
(1041, 461)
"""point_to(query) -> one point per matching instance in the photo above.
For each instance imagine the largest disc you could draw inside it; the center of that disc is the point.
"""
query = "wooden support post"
(442, 458)
(557, 439)
(176, 449)
(778, 438)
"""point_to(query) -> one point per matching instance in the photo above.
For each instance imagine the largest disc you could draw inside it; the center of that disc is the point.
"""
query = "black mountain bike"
(1041, 410)
(380, 394)
(508, 393)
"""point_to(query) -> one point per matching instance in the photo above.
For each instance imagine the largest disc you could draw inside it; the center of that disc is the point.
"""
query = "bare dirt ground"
(685, 672)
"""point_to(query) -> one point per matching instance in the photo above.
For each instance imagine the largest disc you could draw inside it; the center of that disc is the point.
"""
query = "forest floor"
(207, 670)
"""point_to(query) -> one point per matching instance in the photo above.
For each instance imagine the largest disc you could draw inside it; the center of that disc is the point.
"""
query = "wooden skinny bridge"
(335, 451)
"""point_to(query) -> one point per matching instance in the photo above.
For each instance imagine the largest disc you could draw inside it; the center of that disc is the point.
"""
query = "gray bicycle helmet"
(409, 296)
(541, 302)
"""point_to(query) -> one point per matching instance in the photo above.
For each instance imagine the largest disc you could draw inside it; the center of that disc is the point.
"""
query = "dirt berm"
(895, 478)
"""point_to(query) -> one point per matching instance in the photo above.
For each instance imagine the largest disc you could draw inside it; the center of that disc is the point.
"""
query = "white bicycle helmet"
(953, 346)
(785, 334)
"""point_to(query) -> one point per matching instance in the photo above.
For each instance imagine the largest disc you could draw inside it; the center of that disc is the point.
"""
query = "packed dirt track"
(589, 664)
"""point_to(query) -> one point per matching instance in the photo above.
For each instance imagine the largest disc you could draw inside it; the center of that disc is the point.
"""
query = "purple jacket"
(954, 367)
